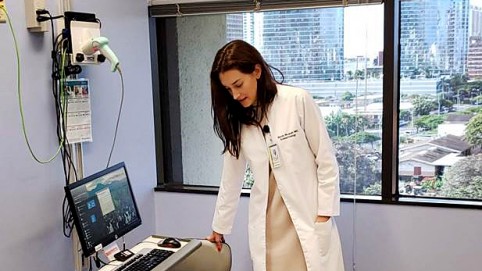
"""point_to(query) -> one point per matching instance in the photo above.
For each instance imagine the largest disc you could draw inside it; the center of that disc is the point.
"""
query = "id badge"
(274, 156)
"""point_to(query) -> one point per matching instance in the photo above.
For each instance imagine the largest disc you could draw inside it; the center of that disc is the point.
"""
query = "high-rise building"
(475, 21)
(234, 27)
(474, 59)
(305, 44)
(434, 36)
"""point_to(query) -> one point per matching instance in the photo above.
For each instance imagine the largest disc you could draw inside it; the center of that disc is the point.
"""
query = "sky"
(364, 30)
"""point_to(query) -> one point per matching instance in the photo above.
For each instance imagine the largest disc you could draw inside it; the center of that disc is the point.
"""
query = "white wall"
(388, 237)
(31, 194)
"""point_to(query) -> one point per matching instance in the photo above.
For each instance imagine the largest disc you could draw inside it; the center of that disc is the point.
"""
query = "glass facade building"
(305, 44)
(434, 37)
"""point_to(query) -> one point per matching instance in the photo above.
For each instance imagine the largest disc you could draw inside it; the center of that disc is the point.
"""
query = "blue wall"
(31, 194)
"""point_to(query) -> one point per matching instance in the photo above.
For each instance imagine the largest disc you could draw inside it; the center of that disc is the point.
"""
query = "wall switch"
(31, 7)
(3, 16)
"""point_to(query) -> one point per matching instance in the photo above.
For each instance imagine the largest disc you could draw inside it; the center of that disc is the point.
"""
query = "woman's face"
(242, 86)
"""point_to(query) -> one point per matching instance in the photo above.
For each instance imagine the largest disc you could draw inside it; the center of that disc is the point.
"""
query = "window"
(404, 127)
(336, 55)
(320, 50)
(440, 89)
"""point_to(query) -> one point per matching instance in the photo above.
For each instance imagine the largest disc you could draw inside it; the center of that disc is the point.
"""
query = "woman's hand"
(322, 218)
(216, 238)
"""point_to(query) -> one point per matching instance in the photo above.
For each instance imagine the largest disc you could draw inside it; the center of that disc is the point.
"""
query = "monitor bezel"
(109, 238)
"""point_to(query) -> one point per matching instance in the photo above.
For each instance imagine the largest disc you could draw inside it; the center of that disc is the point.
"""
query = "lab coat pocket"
(323, 233)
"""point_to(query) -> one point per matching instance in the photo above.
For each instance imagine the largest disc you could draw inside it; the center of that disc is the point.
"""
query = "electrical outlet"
(31, 16)
(3, 16)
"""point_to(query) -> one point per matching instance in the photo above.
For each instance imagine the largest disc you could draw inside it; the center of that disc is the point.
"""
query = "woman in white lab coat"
(278, 131)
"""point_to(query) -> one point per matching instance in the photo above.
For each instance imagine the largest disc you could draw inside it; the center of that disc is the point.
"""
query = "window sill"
(193, 189)
(407, 201)
(415, 201)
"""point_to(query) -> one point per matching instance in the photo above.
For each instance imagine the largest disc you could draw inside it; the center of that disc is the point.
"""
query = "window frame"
(168, 128)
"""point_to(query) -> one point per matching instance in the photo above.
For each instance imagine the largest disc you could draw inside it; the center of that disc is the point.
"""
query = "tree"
(455, 88)
(374, 189)
(432, 184)
(429, 122)
(332, 123)
(365, 172)
(342, 124)
(472, 111)
(457, 81)
(405, 115)
(248, 178)
(464, 179)
(446, 103)
(422, 106)
(473, 131)
(363, 137)
(428, 71)
(476, 100)
(472, 89)
(349, 75)
(359, 74)
(347, 96)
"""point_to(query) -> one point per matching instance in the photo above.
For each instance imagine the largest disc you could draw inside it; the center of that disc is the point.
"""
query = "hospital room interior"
(117, 93)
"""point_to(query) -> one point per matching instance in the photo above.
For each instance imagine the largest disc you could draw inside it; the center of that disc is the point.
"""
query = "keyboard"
(145, 262)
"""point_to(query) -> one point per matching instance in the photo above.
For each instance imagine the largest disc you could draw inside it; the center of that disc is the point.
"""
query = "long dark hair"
(228, 114)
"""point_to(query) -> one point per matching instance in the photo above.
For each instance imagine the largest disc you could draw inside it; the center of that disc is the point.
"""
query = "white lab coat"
(307, 181)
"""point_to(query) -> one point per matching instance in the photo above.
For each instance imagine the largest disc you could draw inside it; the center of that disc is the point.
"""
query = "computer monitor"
(103, 208)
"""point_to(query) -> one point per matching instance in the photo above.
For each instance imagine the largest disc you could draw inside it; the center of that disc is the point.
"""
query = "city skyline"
(434, 37)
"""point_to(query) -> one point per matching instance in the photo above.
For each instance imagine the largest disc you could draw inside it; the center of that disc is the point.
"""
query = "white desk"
(187, 247)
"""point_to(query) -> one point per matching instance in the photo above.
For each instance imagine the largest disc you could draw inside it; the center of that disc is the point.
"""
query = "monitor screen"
(103, 207)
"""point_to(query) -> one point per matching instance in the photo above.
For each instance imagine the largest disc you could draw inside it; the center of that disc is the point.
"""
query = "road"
(368, 87)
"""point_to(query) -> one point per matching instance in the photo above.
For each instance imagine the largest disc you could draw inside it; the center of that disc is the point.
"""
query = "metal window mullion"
(391, 90)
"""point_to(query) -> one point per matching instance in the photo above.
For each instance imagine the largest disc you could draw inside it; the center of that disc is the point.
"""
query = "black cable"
(68, 162)
(41, 18)
(100, 23)
(61, 109)
(118, 116)
(52, 28)
(67, 219)
(61, 132)
(67, 224)
(98, 261)
(61, 104)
